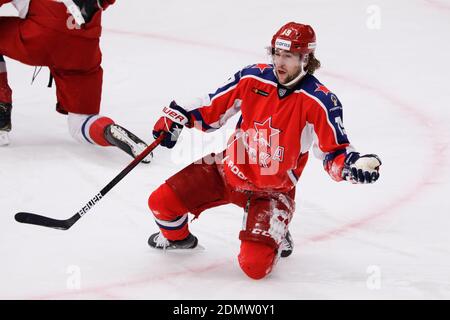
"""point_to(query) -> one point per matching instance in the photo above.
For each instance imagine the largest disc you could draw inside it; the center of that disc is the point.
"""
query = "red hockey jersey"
(277, 128)
(53, 14)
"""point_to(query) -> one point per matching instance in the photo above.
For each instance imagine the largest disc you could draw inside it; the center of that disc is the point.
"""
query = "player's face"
(287, 65)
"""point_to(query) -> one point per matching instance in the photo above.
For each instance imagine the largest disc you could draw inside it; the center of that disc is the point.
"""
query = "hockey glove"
(172, 122)
(361, 169)
(88, 8)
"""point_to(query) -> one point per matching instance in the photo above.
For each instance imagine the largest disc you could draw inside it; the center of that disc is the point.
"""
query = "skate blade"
(198, 248)
(4, 138)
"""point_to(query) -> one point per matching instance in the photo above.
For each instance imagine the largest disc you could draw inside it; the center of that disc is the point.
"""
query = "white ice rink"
(388, 62)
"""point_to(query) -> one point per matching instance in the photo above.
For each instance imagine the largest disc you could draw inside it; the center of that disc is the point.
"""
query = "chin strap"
(290, 84)
(294, 81)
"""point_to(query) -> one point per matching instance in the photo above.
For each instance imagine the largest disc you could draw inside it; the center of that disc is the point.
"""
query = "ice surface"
(388, 240)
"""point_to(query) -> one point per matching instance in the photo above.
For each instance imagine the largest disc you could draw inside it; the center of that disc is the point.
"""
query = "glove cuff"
(351, 158)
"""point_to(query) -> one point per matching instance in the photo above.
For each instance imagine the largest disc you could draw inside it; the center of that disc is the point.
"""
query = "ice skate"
(287, 246)
(5, 122)
(126, 141)
(158, 241)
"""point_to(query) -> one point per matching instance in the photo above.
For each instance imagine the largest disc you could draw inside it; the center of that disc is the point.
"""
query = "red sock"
(256, 259)
(171, 215)
(97, 129)
(5, 90)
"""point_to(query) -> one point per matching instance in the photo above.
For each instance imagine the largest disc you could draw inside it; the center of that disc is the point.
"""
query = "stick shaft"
(31, 218)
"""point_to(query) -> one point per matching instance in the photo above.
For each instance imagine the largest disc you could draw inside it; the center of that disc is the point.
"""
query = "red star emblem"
(322, 88)
(265, 132)
(261, 66)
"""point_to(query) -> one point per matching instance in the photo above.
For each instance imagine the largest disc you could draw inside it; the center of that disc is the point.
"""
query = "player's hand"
(361, 169)
(172, 122)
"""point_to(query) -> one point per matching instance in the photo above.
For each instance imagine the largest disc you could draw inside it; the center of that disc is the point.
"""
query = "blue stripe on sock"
(172, 228)
(83, 127)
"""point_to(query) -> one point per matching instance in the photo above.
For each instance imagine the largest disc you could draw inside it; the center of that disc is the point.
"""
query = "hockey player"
(64, 36)
(284, 111)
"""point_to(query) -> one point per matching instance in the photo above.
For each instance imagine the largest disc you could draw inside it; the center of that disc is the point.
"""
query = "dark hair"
(313, 64)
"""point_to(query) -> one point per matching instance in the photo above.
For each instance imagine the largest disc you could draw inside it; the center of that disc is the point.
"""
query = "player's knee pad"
(88, 128)
(164, 203)
(266, 221)
(256, 259)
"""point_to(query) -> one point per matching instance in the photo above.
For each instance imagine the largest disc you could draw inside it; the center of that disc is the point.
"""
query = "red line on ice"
(437, 153)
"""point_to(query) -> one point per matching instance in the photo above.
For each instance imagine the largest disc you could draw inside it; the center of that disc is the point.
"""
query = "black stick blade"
(31, 218)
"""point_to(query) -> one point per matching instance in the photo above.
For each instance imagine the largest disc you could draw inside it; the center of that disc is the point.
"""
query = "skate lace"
(161, 241)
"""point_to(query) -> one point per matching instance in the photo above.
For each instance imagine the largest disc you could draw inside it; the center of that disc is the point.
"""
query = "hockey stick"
(31, 218)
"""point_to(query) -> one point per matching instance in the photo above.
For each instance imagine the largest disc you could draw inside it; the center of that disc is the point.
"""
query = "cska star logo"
(265, 132)
(261, 66)
(322, 88)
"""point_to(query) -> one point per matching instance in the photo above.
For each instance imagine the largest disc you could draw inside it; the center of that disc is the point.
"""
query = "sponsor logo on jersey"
(234, 168)
(260, 92)
(283, 44)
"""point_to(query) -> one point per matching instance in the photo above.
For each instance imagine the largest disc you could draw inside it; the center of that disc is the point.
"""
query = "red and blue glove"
(361, 169)
(171, 123)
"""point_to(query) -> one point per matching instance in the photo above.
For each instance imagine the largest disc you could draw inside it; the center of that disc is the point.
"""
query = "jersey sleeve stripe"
(292, 176)
(326, 113)
(198, 118)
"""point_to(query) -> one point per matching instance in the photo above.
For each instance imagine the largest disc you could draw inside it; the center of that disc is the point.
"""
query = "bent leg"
(194, 189)
(265, 227)
(25, 41)
(18, 41)
(78, 91)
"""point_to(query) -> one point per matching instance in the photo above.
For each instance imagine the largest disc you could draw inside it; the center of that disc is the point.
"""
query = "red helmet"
(295, 37)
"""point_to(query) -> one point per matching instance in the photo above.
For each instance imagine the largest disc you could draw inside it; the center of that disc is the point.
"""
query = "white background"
(386, 60)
